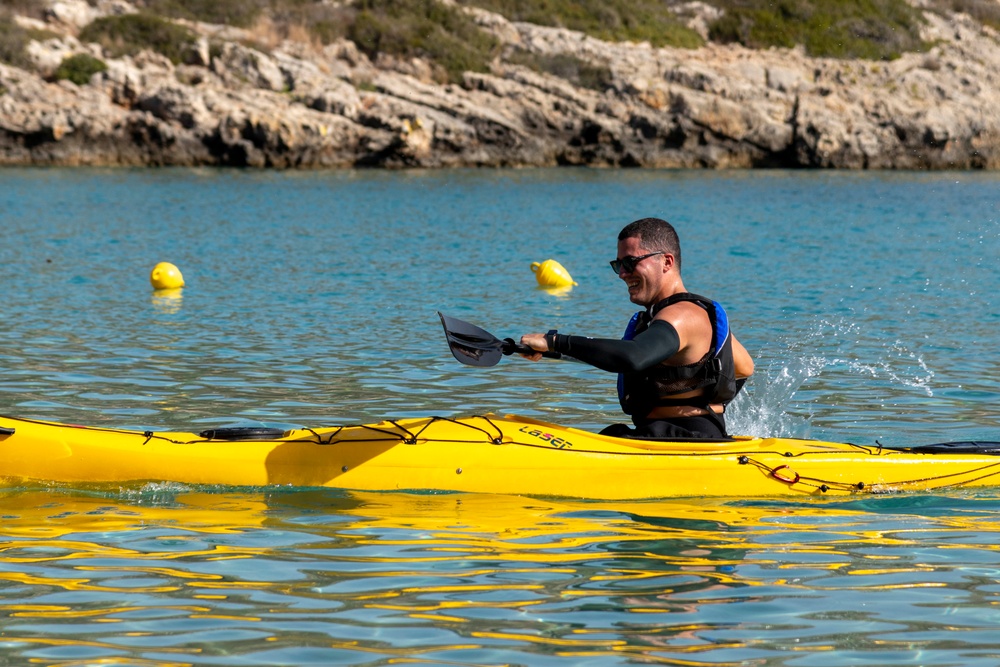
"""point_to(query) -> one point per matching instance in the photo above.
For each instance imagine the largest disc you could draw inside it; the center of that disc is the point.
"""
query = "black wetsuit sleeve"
(655, 344)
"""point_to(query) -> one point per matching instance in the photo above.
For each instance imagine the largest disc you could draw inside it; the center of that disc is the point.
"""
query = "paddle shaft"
(510, 347)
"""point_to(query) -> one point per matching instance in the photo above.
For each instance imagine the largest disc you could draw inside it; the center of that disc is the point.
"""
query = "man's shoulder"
(684, 314)
(680, 301)
(680, 307)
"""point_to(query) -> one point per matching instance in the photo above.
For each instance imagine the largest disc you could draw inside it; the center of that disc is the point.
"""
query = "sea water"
(867, 300)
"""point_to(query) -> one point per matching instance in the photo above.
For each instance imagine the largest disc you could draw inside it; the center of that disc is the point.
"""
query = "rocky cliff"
(304, 106)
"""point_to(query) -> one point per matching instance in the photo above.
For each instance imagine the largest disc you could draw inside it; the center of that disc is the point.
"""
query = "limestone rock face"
(302, 106)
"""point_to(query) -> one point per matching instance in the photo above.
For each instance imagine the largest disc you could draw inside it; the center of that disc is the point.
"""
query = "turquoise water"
(866, 299)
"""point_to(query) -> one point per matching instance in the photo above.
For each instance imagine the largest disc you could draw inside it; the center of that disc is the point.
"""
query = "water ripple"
(311, 298)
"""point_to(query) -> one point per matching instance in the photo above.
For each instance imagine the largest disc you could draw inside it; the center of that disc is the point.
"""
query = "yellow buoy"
(551, 273)
(166, 276)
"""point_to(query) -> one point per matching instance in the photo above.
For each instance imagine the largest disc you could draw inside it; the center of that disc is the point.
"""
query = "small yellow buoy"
(551, 273)
(166, 276)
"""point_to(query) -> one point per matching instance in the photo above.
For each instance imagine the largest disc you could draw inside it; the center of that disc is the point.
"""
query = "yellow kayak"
(483, 454)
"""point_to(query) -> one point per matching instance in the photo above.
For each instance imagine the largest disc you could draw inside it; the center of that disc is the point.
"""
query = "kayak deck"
(481, 454)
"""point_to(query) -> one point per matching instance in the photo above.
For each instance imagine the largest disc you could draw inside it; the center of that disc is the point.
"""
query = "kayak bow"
(484, 454)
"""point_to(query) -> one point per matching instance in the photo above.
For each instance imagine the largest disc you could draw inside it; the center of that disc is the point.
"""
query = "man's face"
(645, 282)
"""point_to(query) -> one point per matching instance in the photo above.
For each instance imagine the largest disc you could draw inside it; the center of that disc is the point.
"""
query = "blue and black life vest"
(715, 373)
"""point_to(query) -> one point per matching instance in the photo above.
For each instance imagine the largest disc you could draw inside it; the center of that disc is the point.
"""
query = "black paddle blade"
(471, 345)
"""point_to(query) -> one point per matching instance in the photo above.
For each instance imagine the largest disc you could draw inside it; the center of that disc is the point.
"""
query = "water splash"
(153, 494)
(761, 408)
(769, 404)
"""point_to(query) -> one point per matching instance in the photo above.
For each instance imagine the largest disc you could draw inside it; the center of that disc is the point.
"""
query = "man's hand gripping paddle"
(473, 346)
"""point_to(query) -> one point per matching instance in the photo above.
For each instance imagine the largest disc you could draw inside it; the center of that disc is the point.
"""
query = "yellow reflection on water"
(168, 301)
(348, 571)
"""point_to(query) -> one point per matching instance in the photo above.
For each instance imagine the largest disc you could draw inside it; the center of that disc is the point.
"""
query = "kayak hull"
(481, 454)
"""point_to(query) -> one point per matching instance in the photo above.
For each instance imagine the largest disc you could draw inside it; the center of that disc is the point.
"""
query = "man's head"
(649, 260)
(655, 235)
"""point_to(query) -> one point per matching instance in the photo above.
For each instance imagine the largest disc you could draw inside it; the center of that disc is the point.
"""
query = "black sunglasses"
(629, 263)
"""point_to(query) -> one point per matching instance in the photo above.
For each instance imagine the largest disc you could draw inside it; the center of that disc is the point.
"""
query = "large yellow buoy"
(551, 273)
(166, 276)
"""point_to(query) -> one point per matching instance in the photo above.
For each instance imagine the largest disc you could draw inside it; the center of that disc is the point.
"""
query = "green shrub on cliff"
(328, 31)
(79, 67)
(424, 28)
(613, 20)
(869, 29)
(322, 21)
(128, 34)
(986, 12)
(13, 41)
(31, 8)
(240, 13)
(565, 66)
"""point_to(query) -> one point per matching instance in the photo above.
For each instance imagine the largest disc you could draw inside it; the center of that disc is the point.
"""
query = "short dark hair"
(654, 234)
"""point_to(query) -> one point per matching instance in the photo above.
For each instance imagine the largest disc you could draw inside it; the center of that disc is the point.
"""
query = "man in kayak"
(678, 364)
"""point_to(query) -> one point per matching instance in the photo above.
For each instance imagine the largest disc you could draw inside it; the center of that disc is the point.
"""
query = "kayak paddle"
(473, 346)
